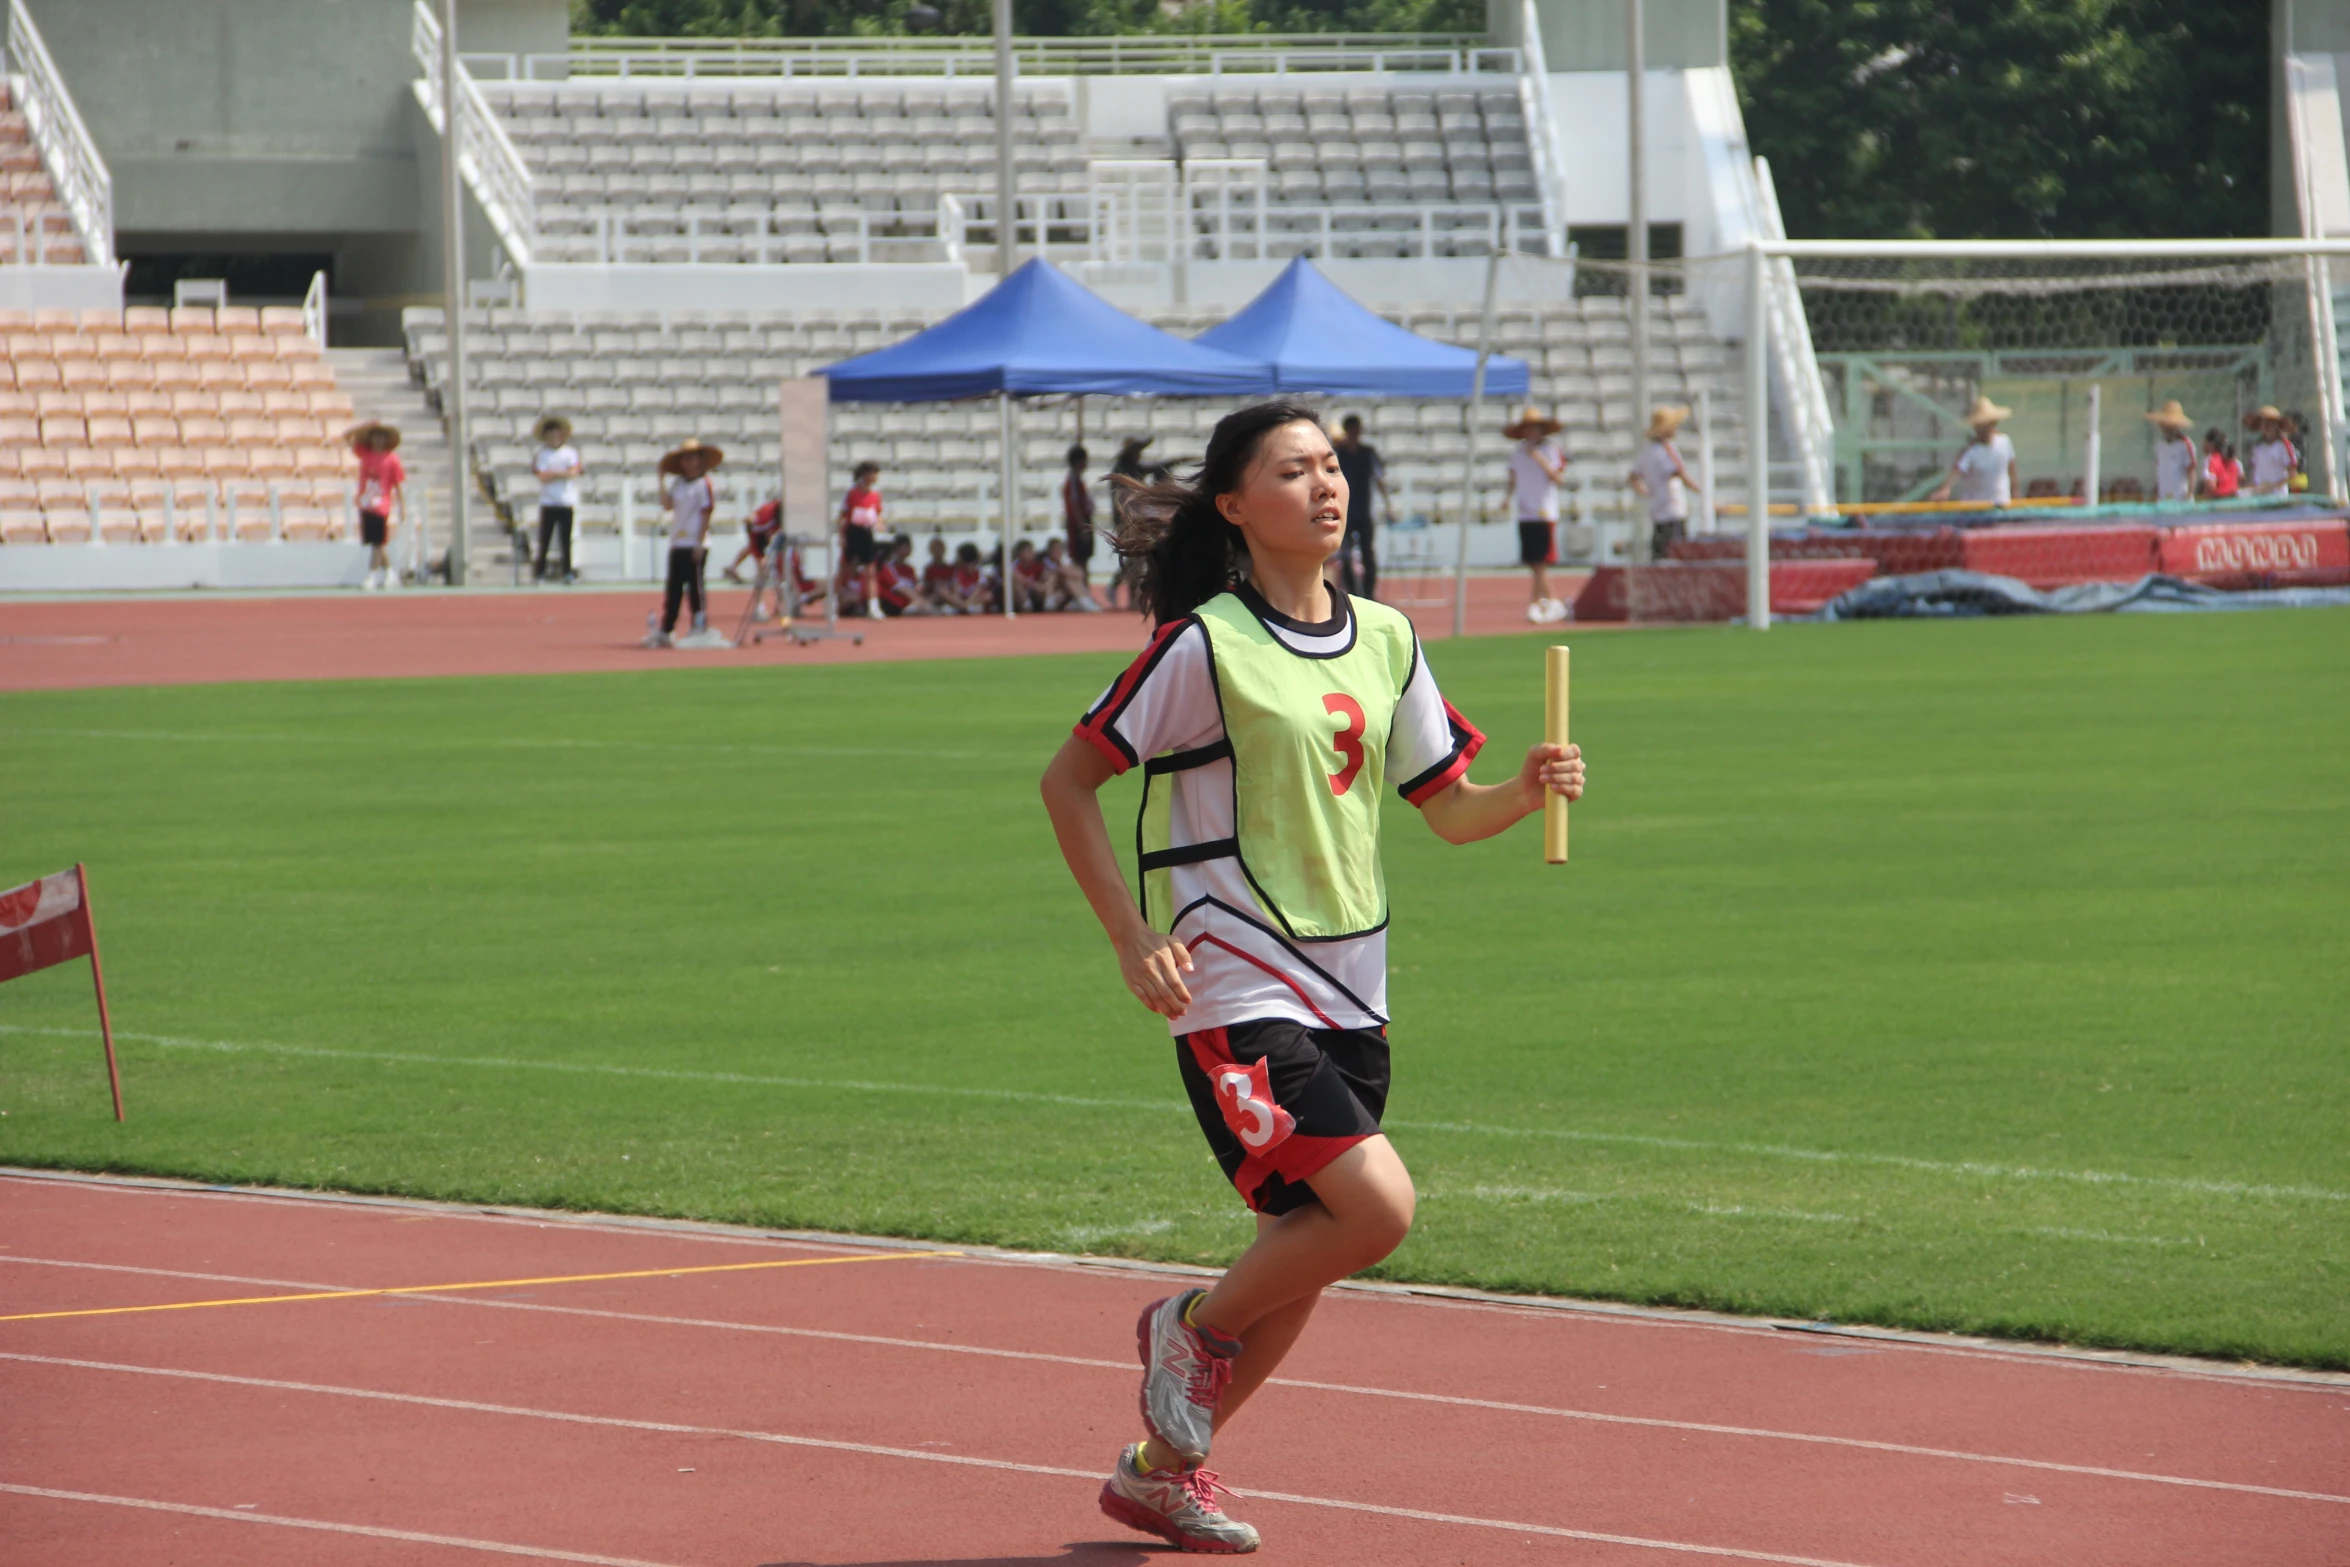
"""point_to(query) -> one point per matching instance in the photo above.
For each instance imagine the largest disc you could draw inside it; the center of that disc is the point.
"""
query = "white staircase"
(380, 387)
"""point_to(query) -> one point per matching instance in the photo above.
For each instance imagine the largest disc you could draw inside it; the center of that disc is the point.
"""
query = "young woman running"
(1268, 713)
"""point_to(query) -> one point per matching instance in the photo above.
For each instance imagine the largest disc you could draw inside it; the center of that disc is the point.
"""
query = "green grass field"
(1983, 976)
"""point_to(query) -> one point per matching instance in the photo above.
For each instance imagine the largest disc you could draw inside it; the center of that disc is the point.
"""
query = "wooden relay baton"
(1554, 730)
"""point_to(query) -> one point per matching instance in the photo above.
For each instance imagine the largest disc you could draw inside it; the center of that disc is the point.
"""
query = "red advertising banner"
(47, 922)
(2320, 544)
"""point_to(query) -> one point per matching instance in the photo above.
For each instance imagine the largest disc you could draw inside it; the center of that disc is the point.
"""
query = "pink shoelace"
(1210, 1375)
(1201, 1486)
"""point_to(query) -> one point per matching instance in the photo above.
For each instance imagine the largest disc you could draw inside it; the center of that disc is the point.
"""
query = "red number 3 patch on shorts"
(1245, 1095)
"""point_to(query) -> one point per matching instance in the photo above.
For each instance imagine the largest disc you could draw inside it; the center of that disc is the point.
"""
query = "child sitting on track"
(897, 582)
(973, 584)
(1261, 680)
(938, 580)
(1028, 578)
(758, 536)
(1065, 586)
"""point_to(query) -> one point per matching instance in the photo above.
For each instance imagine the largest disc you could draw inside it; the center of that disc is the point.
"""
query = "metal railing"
(1542, 137)
(83, 183)
(706, 237)
(1138, 54)
(493, 169)
(1803, 391)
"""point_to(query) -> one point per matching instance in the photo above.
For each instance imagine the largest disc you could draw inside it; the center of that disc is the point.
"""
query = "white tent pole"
(1007, 478)
(1460, 557)
(1007, 221)
(2092, 458)
(1636, 225)
(1758, 444)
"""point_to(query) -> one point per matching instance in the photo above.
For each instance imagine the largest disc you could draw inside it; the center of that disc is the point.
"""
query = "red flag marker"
(47, 922)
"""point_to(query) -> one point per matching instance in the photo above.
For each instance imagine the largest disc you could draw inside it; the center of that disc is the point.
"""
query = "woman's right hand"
(1153, 964)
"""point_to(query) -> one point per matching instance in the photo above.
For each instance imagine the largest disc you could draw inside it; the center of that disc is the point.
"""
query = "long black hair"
(1187, 551)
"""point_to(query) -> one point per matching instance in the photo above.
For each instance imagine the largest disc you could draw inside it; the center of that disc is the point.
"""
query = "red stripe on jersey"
(1469, 739)
(1095, 725)
(1217, 941)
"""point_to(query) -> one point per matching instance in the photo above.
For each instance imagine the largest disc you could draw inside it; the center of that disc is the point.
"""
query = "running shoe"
(1184, 1372)
(1175, 1504)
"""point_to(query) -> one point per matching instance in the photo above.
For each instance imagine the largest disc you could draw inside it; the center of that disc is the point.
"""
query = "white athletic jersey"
(1241, 968)
(691, 502)
(2272, 464)
(1983, 470)
(557, 468)
(1536, 492)
(2174, 470)
(1667, 500)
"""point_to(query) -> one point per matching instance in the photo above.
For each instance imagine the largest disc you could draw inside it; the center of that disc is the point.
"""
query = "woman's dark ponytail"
(1188, 552)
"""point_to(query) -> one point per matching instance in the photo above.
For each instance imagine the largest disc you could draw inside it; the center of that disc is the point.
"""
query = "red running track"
(66, 643)
(846, 1402)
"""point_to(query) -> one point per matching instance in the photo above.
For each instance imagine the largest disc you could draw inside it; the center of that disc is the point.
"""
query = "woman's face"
(1292, 497)
(1987, 429)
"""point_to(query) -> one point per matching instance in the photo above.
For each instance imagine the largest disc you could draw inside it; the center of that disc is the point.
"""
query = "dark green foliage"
(1031, 18)
(2009, 118)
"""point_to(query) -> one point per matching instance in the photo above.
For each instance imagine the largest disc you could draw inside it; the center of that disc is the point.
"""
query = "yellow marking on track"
(480, 1284)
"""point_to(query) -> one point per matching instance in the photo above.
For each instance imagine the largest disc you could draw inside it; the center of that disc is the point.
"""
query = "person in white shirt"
(1659, 474)
(1537, 469)
(689, 497)
(2273, 461)
(556, 465)
(2175, 457)
(1984, 473)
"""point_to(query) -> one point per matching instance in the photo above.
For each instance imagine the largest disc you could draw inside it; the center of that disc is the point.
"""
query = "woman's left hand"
(1551, 769)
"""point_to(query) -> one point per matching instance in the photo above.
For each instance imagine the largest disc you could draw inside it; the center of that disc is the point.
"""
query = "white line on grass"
(505, 743)
(1126, 1368)
(915, 1454)
(1179, 1107)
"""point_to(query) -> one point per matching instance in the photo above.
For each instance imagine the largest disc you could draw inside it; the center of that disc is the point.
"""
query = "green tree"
(1957, 119)
(1038, 18)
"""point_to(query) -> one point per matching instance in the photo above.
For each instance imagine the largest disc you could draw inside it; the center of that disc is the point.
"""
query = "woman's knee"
(1368, 1190)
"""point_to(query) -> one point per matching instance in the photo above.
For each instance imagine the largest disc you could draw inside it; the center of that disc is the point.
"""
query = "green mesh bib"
(1307, 735)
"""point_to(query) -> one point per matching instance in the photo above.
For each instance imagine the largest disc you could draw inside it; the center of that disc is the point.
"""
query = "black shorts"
(857, 545)
(1537, 543)
(1080, 546)
(375, 529)
(1327, 1087)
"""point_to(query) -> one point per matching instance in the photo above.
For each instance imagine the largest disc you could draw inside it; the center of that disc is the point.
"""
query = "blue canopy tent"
(1318, 339)
(1040, 332)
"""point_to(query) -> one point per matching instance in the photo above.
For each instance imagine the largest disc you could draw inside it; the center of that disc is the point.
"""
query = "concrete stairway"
(379, 387)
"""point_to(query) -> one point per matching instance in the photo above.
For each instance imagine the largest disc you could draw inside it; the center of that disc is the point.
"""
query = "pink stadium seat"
(223, 462)
(277, 319)
(81, 372)
(193, 402)
(16, 320)
(161, 345)
(149, 318)
(155, 430)
(203, 430)
(116, 345)
(40, 462)
(18, 494)
(180, 462)
(99, 320)
(310, 523)
(191, 318)
(296, 346)
(33, 374)
(68, 524)
(322, 463)
(62, 494)
(285, 403)
(21, 526)
(146, 400)
(155, 524)
(109, 429)
(65, 432)
(17, 430)
(270, 462)
(219, 374)
(265, 373)
(105, 403)
(333, 407)
(313, 375)
(204, 345)
(57, 321)
(90, 462)
(16, 403)
(239, 318)
(171, 373)
(238, 402)
(249, 428)
(54, 403)
(27, 344)
(250, 345)
(129, 373)
(138, 462)
(120, 525)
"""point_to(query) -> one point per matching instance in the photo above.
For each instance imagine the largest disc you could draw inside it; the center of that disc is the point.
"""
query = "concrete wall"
(1592, 35)
(2295, 27)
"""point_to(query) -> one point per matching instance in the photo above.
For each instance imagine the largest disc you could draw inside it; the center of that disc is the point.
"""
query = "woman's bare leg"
(1269, 1343)
(1364, 1213)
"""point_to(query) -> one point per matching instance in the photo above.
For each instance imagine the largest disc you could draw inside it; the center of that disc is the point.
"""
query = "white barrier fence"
(83, 183)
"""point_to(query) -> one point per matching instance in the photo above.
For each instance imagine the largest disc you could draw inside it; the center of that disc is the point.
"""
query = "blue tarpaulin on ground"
(1041, 332)
(1318, 339)
(1956, 593)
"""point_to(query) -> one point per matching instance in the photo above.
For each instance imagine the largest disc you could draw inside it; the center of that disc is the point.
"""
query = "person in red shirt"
(973, 584)
(860, 533)
(898, 583)
(1030, 581)
(938, 581)
(1065, 583)
(2222, 474)
(758, 537)
(380, 478)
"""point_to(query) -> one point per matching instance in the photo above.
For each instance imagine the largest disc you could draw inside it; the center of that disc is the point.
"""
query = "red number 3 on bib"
(1245, 1095)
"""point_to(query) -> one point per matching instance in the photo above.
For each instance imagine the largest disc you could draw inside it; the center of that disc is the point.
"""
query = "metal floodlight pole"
(1758, 443)
(453, 292)
(1008, 477)
(1007, 220)
(1460, 556)
(1636, 172)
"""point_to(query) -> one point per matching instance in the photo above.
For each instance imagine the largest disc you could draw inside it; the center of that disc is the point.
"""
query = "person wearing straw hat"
(381, 476)
(2174, 453)
(1537, 469)
(1984, 473)
(689, 497)
(2273, 460)
(1659, 474)
(556, 466)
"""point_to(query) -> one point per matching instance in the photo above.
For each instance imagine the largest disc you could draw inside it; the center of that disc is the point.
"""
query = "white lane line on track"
(1962, 1167)
(1126, 1368)
(914, 1454)
(536, 1552)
